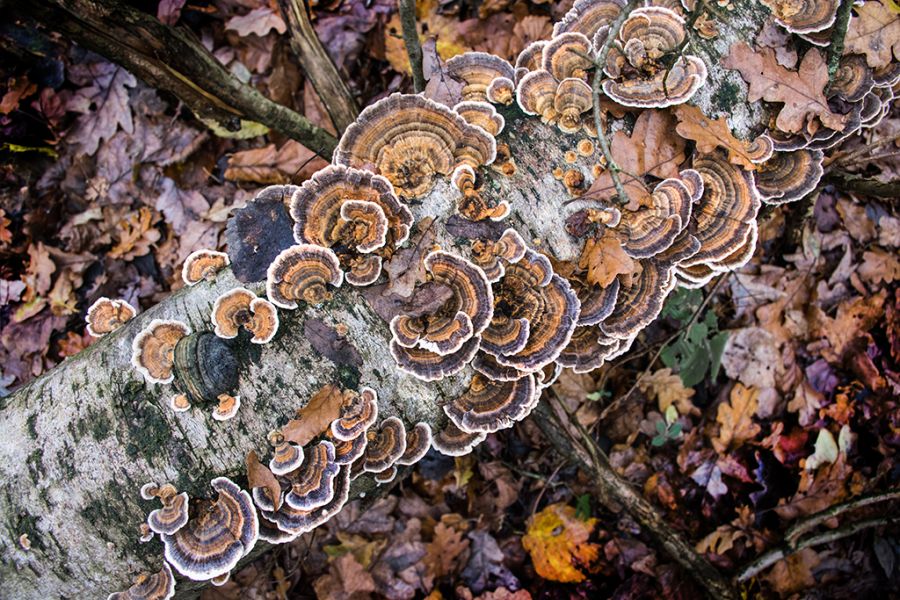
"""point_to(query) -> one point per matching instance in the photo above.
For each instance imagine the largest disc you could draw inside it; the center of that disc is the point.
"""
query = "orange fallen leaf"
(259, 476)
(668, 389)
(604, 259)
(710, 134)
(314, 418)
(735, 419)
(558, 544)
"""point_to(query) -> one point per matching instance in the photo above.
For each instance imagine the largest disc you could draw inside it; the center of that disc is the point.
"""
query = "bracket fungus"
(483, 115)
(227, 407)
(488, 406)
(490, 256)
(789, 176)
(386, 476)
(293, 522)
(589, 16)
(241, 309)
(485, 77)
(158, 586)
(347, 451)
(386, 444)
(644, 73)
(286, 457)
(418, 442)
(174, 512)
(803, 16)
(453, 441)
(219, 533)
(529, 59)
(303, 273)
(410, 140)
(153, 349)
(202, 265)
(358, 413)
(658, 219)
(312, 484)
(106, 315)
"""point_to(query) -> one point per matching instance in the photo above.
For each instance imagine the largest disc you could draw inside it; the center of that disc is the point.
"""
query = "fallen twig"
(411, 39)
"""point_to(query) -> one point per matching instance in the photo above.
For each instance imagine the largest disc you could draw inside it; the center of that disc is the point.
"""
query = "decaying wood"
(172, 59)
(80, 440)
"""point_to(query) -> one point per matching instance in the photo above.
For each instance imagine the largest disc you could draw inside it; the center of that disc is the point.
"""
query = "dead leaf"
(18, 88)
(668, 389)
(874, 31)
(103, 104)
(710, 134)
(136, 233)
(259, 21)
(259, 476)
(558, 544)
(751, 356)
(346, 580)
(854, 317)
(604, 259)
(292, 163)
(314, 418)
(806, 403)
(801, 92)
(879, 266)
(735, 419)
(860, 227)
(794, 573)
(447, 550)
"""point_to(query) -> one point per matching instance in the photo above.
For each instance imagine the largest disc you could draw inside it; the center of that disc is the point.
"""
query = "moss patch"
(726, 96)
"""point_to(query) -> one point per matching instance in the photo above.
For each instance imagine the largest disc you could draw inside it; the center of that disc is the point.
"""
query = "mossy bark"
(78, 442)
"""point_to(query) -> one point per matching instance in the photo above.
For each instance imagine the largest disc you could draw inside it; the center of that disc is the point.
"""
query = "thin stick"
(599, 61)
(838, 33)
(811, 522)
(411, 39)
(771, 557)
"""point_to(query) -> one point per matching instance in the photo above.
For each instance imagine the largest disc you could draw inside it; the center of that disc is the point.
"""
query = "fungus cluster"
(106, 315)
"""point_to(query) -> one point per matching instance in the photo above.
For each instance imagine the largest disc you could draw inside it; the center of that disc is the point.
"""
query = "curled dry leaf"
(605, 259)
(259, 476)
(710, 134)
(314, 418)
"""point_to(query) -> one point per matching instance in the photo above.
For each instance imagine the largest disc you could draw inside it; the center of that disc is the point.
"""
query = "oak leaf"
(875, 32)
(259, 476)
(314, 418)
(604, 259)
(104, 104)
(794, 573)
(447, 551)
(346, 580)
(259, 21)
(879, 266)
(558, 544)
(292, 162)
(710, 134)
(735, 419)
(668, 389)
(801, 92)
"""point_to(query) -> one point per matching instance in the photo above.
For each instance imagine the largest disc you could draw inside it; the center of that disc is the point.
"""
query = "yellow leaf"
(558, 544)
(449, 41)
(668, 390)
(736, 419)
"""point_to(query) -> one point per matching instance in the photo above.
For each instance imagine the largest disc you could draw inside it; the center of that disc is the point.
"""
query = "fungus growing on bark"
(312, 484)
(153, 349)
(478, 71)
(431, 366)
(386, 444)
(573, 98)
(501, 91)
(596, 302)
(174, 512)
(418, 442)
(106, 315)
(589, 16)
(487, 365)
(585, 147)
(853, 79)
(264, 486)
(490, 256)
(789, 176)
(463, 316)
(286, 456)
(203, 265)
(346, 452)
(488, 406)
(241, 309)
(227, 407)
(803, 16)
(179, 403)
(358, 413)
(536, 94)
(293, 522)
(587, 350)
(653, 226)
(638, 74)
(472, 205)
(566, 56)
(530, 59)
(386, 476)
(410, 140)
(530, 292)
(302, 273)
(158, 586)
(452, 441)
(483, 115)
(217, 535)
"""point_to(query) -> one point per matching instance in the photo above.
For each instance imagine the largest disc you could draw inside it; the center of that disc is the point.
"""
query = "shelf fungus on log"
(529, 59)
(227, 407)
(485, 77)
(358, 413)
(219, 533)
(153, 349)
(589, 16)
(174, 512)
(202, 265)
(491, 256)
(853, 79)
(535, 313)
(638, 75)
(242, 309)
(803, 16)
(286, 456)
(453, 441)
(597, 302)
(483, 115)
(312, 484)
(158, 586)
(386, 476)
(386, 444)
(660, 217)
(292, 522)
(356, 214)
(789, 176)
(411, 140)
(347, 451)
(106, 315)
(488, 406)
(303, 273)
(418, 442)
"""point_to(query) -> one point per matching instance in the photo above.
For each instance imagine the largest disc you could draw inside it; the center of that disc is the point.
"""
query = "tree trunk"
(80, 440)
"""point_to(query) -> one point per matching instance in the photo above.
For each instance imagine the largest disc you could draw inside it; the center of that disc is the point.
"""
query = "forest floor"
(765, 397)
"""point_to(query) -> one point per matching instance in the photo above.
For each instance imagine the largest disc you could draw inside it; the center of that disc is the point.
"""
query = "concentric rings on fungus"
(153, 349)
(358, 413)
(302, 273)
(410, 140)
(430, 366)
(596, 302)
(158, 586)
(294, 522)
(653, 226)
(529, 59)
(789, 176)
(241, 309)
(565, 56)
(106, 315)
(386, 444)
(478, 71)
(452, 441)
(573, 98)
(853, 79)
(487, 365)
(312, 484)
(203, 265)
(386, 476)
(488, 406)
(346, 452)
(536, 95)
(490, 256)
(218, 535)
(589, 16)
(418, 442)
(286, 457)
(803, 16)
(174, 511)
(587, 350)
(481, 114)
